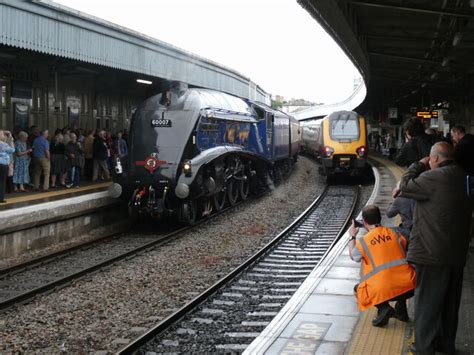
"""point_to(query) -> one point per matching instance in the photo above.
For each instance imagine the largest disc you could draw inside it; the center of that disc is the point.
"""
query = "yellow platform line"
(45, 195)
(396, 170)
(390, 339)
(368, 339)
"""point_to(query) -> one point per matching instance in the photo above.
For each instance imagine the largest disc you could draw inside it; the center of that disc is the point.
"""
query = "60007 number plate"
(161, 122)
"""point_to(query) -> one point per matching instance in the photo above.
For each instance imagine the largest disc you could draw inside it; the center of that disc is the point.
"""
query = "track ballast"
(229, 315)
(22, 283)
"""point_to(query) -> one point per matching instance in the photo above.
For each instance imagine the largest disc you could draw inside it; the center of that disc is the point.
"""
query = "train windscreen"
(345, 127)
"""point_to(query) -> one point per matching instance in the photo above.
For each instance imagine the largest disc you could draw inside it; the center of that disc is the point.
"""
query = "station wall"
(81, 102)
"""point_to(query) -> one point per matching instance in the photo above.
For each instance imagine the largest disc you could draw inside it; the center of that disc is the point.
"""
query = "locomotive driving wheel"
(219, 199)
(233, 186)
(207, 206)
(244, 184)
(234, 172)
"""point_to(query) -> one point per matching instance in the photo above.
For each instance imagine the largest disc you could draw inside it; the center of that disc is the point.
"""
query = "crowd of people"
(35, 161)
(426, 254)
(382, 143)
(388, 145)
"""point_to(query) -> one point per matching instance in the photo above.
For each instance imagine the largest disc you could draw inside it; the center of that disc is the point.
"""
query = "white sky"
(274, 42)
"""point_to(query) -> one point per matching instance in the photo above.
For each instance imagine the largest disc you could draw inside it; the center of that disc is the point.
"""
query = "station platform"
(323, 318)
(22, 199)
(39, 223)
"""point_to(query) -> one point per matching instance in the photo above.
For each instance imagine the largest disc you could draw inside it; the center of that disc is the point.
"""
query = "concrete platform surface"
(24, 199)
(322, 317)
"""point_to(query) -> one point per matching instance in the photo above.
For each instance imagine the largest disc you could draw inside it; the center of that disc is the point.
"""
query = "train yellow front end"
(344, 144)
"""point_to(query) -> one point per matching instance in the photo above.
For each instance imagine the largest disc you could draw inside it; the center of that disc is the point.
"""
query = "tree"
(277, 105)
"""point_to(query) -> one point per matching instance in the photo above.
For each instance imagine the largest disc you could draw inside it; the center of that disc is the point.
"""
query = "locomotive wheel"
(207, 206)
(233, 191)
(244, 187)
(219, 200)
(188, 212)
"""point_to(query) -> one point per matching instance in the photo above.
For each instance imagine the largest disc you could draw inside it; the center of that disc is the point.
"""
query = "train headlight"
(328, 151)
(187, 168)
(361, 151)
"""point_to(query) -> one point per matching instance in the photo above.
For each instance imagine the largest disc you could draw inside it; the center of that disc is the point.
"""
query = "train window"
(260, 112)
(345, 128)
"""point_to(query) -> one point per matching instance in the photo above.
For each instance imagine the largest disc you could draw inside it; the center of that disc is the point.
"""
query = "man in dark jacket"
(101, 155)
(439, 243)
(417, 144)
(75, 156)
(463, 148)
(404, 207)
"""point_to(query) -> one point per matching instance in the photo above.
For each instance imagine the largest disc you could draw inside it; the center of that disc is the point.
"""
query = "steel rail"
(175, 317)
(27, 296)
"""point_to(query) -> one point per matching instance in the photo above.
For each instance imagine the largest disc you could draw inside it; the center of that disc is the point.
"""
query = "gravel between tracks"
(114, 306)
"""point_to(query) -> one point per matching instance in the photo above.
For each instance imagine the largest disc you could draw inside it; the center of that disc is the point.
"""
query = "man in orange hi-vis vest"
(386, 274)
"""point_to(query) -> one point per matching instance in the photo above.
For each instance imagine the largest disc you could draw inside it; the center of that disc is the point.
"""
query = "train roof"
(222, 101)
(197, 99)
(342, 115)
(311, 123)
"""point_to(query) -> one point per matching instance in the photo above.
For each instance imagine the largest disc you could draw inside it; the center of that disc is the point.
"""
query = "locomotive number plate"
(161, 122)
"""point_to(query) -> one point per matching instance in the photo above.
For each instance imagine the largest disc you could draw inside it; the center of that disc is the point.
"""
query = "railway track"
(230, 314)
(23, 282)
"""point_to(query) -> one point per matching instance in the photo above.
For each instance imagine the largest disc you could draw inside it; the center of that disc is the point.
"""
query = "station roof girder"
(416, 50)
(46, 27)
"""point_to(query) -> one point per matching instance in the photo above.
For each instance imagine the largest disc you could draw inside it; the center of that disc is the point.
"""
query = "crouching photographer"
(386, 274)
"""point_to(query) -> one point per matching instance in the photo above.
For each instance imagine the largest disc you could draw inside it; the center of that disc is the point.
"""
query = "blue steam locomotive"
(194, 151)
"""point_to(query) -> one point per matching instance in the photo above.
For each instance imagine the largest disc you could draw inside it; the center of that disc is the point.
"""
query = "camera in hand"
(358, 223)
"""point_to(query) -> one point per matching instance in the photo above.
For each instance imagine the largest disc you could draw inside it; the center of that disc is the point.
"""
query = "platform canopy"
(49, 28)
(410, 53)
